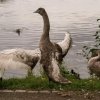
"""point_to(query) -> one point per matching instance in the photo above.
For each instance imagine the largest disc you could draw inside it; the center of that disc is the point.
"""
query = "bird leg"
(30, 72)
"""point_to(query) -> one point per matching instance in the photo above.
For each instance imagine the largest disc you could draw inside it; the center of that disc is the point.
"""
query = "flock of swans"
(49, 54)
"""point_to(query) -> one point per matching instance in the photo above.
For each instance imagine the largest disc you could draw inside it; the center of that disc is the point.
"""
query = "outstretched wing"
(65, 44)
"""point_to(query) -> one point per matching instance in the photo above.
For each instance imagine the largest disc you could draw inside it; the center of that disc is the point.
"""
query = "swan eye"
(40, 11)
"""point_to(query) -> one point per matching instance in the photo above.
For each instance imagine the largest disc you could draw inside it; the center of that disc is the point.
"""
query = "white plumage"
(18, 58)
(66, 43)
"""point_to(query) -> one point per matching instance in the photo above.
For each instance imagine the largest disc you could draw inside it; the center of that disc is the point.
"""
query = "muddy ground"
(69, 95)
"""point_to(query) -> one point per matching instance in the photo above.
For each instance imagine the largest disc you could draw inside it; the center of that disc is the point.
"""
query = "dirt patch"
(69, 95)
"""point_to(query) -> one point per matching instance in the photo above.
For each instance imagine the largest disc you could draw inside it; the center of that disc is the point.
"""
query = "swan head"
(40, 11)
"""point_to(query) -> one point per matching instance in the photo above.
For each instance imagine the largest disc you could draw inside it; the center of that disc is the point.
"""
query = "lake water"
(76, 16)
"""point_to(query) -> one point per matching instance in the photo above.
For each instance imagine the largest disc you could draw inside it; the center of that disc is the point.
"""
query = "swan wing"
(54, 74)
(29, 57)
(65, 44)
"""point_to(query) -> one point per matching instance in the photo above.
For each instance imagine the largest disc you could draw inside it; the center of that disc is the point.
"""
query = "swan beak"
(35, 11)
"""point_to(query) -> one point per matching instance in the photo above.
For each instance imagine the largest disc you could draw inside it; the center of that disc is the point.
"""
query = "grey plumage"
(94, 65)
(50, 52)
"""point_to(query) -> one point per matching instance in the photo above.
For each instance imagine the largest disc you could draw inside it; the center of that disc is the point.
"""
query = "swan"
(94, 65)
(50, 52)
(18, 58)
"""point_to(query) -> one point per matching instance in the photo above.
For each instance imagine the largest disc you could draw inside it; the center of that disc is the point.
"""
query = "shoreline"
(48, 95)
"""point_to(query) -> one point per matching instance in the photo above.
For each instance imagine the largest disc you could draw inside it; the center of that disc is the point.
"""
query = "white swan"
(18, 58)
(51, 53)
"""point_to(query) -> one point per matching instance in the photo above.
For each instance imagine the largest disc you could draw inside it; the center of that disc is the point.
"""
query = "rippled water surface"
(76, 16)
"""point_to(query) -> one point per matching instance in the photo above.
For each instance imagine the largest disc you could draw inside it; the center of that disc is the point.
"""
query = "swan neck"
(94, 59)
(46, 28)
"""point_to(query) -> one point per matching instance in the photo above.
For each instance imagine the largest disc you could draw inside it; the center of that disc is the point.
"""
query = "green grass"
(42, 83)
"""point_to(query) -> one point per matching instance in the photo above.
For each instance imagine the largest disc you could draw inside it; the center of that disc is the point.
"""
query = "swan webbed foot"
(65, 82)
(61, 81)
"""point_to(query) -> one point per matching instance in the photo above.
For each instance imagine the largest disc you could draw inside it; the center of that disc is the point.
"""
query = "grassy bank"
(42, 83)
